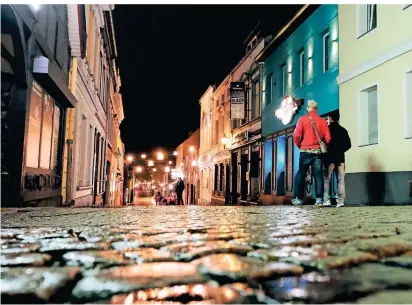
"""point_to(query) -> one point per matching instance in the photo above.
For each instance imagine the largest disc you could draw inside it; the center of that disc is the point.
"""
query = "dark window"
(326, 52)
(302, 67)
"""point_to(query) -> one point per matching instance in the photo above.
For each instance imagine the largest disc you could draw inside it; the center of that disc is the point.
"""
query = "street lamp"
(194, 163)
(150, 163)
(181, 164)
(170, 162)
(154, 169)
(160, 156)
(175, 153)
(139, 169)
(225, 140)
(192, 149)
(129, 158)
(143, 156)
(167, 169)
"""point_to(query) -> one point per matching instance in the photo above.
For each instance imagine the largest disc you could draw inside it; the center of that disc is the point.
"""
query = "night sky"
(169, 54)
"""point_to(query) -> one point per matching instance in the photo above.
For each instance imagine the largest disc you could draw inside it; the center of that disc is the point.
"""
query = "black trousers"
(179, 198)
(306, 160)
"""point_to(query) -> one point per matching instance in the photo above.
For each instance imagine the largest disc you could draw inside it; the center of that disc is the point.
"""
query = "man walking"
(311, 132)
(335, 159)
(180, 186)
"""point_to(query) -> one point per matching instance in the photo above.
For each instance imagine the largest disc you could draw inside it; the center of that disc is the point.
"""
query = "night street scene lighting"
(211, 154)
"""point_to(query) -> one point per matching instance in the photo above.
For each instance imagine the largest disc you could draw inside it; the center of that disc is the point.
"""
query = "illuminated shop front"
(299, 65)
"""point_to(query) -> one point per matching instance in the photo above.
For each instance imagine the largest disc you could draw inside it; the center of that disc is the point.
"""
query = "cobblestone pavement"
(207, 255)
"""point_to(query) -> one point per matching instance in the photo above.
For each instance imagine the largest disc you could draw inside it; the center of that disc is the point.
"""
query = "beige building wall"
(378, 173)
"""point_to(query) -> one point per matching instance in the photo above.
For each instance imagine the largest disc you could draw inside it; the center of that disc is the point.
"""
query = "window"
(222, 99)
(268, 90)
(408, 105)
(43, 131)
(302, 68)
(368, 117)
(83, 148)
(255, 107)
(221, 177)
(284, 80)
(367, 18)
(326, 52)
(216, 177)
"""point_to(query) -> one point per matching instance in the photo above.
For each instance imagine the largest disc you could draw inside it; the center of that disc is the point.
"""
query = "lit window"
(368, 117)
(302, 67)
(43, 131)
(326, 52)
(367, 18)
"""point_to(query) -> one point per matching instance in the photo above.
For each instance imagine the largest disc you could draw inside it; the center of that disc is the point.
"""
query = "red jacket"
(304, 134)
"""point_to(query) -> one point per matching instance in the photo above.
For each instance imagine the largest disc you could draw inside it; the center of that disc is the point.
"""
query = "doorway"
(243, 176)
(234, 178)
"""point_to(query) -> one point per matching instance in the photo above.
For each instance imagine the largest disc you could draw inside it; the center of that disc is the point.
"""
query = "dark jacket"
(339, 144)
(180, 186)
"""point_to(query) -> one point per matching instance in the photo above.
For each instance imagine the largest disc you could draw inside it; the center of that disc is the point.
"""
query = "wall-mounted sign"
(237, 100)
(287, 110)
(243, 136)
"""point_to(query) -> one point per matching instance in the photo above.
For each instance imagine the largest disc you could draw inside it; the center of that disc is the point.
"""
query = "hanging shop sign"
(237, 100)
(287, 110)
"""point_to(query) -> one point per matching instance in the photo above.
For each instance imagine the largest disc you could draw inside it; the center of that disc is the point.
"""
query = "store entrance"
(254, 175)
(234, 178)
(243, 177)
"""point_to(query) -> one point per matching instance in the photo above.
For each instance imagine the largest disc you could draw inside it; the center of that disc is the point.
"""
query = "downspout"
(69, 141)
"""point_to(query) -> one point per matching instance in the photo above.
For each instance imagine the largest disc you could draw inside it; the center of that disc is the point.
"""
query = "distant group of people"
(322, 145)
(178, 199)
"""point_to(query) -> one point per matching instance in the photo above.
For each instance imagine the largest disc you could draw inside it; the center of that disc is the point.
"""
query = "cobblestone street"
(207, 255)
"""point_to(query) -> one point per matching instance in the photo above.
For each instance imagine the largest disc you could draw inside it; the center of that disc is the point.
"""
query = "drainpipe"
(70, 133)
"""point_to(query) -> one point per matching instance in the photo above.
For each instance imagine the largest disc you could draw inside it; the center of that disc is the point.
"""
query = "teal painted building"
(300, 63)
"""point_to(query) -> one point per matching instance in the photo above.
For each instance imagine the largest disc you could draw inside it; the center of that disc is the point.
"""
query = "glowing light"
(160, 156)
(171, 187)
(194, 163)
(225, 140)
(150, 163)
(192, 149)
(175, 153)
(36, 6)
(139, 169)
(167, 169)
(143, 156)
(181, 164)
(170, 162)
(129, 158)
(154, 169)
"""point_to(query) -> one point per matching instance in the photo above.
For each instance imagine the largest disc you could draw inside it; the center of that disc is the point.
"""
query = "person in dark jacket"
(335, 159)
(180, 186)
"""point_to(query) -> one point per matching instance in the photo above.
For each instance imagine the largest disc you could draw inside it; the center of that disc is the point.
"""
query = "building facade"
(375, 88)
(299, 64)
(245, 153)
(187, 161)
(35, 98)
(205, 149)
(95, 82)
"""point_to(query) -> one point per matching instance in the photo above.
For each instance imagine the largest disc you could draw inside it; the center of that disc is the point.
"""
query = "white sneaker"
(340, 204)
(326, 202)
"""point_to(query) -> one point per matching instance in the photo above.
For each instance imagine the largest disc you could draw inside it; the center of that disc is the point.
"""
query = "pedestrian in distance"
(311, 136)
(335, 159)
(180, 187)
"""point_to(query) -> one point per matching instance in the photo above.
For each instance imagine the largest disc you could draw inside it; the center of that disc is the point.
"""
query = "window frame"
(361, 91)
(362, 19)
(325, 52)
(254, 106)
(44, 93)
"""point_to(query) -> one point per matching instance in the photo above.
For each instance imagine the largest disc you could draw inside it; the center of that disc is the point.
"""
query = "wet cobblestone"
(207, 255)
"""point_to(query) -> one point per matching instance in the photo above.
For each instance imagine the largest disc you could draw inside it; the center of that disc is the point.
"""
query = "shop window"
(267, 180)
(280, 165)
(368, 117)
(408, 105)
(274, 163)
(43, 131)
(367, 18)
(326, 52)
(302, 68)
(216, 178)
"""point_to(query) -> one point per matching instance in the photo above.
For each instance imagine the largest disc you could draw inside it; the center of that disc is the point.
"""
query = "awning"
(49, 77)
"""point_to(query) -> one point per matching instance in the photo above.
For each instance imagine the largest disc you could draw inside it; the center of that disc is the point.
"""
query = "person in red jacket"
(307, 141)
